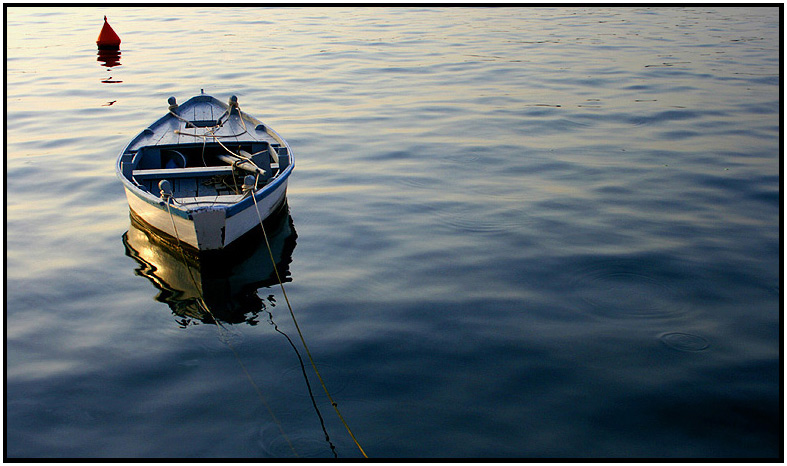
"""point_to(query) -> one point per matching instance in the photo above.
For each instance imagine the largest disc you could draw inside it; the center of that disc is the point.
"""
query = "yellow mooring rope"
(281, 284)
(227, 340)
(300, 334)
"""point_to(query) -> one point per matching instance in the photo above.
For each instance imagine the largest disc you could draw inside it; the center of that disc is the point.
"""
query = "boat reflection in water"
(226, 281)
(220, 287)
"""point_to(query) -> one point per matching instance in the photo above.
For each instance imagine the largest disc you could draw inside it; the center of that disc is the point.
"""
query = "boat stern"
(203, 228)
(210, 228)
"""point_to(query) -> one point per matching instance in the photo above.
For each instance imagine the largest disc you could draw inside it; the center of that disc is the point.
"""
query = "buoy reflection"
(109, 58)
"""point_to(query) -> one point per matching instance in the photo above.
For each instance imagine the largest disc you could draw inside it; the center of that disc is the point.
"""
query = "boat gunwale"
(230, 209)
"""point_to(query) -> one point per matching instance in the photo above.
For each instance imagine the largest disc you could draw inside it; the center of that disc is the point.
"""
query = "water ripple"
(684, 342)
(627, 288)
(300, 444)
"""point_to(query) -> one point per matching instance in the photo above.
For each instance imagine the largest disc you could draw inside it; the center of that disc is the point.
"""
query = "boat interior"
(203, 170)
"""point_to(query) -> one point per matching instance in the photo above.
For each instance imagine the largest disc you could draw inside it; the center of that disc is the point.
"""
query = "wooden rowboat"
(205, 173)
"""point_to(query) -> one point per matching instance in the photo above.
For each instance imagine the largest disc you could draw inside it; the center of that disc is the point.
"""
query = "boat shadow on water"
(209, 286)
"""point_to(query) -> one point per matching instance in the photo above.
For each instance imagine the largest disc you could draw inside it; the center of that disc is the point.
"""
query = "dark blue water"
(512, 232)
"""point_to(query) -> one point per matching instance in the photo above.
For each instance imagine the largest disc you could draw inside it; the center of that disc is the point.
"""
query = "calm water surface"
(513, 232)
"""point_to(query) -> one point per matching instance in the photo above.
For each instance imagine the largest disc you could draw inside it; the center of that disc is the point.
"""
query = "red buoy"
(107, 39)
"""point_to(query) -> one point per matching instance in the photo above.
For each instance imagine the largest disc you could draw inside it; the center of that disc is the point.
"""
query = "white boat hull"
(208, 228)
